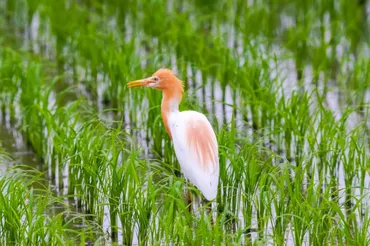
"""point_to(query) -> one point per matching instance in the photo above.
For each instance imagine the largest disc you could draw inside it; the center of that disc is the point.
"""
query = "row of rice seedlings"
(295, 119)
(27, 214)
(32, 104)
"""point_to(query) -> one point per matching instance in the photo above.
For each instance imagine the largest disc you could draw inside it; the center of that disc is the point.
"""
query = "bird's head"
(164, 80)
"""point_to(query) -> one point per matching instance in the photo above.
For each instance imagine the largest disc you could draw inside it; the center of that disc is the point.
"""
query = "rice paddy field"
(86, 161)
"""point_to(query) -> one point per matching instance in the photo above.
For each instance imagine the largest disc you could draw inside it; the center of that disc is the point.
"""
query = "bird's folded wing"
(197, 151)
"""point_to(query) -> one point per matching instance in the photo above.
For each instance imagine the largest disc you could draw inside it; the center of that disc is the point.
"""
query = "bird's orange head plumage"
(164, 79)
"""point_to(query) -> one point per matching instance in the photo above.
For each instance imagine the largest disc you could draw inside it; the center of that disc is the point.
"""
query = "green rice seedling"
(293, 119)
(32, 6)
(26, 217)
(60, 26)
(353, 26)
(124, 190)
(146, 208)
(358, 84)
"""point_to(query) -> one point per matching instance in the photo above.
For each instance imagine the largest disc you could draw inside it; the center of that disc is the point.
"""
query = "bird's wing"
(197, 150)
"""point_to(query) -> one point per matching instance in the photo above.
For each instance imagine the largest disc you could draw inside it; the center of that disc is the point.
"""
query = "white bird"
(192, 135)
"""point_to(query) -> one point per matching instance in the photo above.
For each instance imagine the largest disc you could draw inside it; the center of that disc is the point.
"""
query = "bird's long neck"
(170, 104)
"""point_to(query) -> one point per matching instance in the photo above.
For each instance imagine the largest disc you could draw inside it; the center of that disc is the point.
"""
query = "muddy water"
(14, 145)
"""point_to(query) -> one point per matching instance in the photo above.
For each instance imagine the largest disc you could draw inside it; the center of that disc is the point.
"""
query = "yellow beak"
(139, 83)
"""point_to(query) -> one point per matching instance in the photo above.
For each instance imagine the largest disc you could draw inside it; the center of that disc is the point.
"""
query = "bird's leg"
(209, 210)
(188, 197)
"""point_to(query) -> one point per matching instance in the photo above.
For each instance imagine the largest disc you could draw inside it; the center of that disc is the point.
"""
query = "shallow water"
(16, 149)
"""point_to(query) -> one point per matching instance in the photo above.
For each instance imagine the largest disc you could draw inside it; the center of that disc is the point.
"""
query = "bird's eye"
(155, 79)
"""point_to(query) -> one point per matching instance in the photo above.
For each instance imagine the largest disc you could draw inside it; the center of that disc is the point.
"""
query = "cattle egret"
(192, 135)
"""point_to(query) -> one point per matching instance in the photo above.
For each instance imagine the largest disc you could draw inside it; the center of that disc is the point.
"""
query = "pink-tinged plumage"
(193, 138)
(200, 137)
(197, 150)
